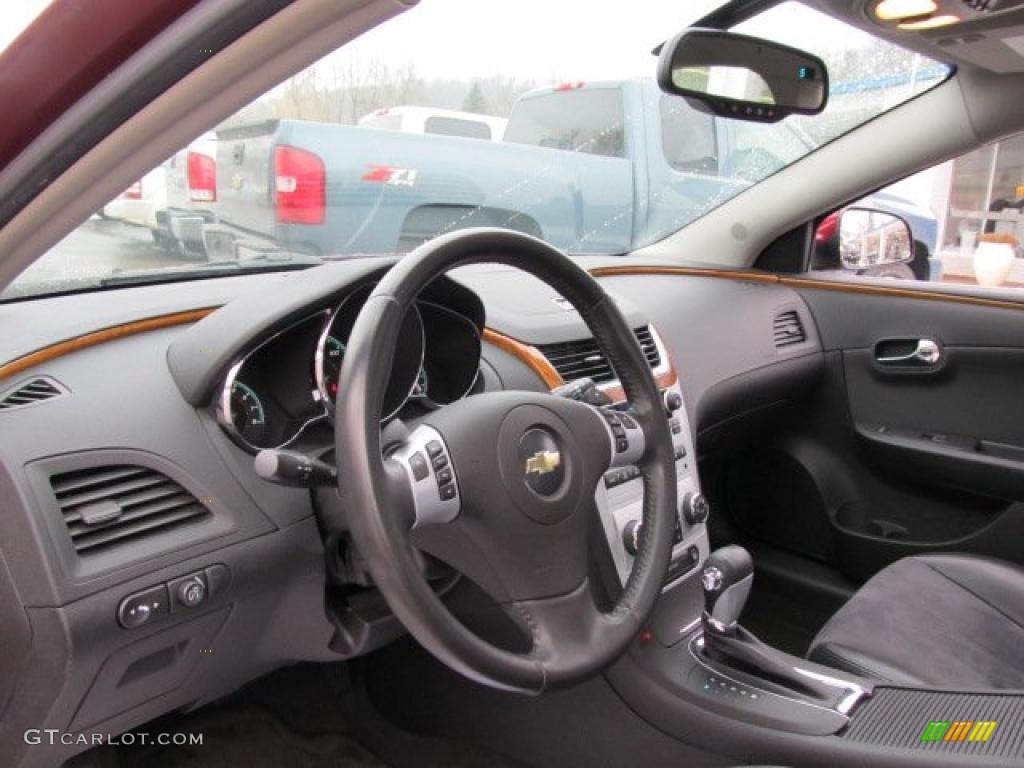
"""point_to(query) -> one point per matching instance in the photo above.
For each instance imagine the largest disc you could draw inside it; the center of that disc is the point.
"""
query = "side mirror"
(742, 77)
(869, 238)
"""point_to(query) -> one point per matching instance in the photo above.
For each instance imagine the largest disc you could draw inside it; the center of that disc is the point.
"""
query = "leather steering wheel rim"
(571, 642)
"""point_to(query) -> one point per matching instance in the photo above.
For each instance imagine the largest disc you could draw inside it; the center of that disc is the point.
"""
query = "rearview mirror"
(869, 238)
(742, 77)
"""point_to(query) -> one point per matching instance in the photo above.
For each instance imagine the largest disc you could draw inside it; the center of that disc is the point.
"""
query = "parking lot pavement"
(102, 247)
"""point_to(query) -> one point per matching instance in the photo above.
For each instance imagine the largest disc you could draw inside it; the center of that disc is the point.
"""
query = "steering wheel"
(501, 485)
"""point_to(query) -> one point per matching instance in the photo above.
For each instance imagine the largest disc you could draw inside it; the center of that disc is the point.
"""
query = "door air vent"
(104, 506)
(789, 329)
(583, 358)
(30, 392)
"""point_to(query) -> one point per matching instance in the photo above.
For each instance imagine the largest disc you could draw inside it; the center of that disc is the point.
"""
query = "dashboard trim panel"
(66, 347)
(522, 351)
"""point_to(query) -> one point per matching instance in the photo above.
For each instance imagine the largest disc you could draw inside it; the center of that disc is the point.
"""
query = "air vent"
(104, 506)
(578, 359)
(789, 329)
(31, 392)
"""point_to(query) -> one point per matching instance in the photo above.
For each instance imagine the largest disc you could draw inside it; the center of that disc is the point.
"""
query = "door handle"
(926, 352)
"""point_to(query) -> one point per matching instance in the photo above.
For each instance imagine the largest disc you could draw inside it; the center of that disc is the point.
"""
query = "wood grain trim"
(527, 354)
(52, 352)
(532, 357)
(808, 282)
(664, 379)
(728, 274)
(900, 293)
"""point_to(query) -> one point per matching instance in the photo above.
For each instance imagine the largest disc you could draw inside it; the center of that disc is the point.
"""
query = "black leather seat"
(943, 620)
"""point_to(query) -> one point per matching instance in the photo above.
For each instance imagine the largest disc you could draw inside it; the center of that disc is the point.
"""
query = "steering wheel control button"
(188, 591)
(619, 476)
(626, 436)
(141, 607)
(695, 508)
(543, 468)
(425, 456)
(419, 467)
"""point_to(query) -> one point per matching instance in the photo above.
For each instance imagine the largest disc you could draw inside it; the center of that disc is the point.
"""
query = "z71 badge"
(387, 174)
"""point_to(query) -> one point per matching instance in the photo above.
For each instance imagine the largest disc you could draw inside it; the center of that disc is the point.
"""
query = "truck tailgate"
(244, 176)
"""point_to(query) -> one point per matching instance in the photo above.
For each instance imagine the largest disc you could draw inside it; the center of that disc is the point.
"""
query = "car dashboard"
(146, 567)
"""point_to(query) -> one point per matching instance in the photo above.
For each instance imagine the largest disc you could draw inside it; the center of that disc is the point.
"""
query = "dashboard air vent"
(103, 506)
(789, 329)
(578, 359)
(30, 392)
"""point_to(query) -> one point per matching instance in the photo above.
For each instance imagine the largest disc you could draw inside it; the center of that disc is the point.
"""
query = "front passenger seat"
(943, 620)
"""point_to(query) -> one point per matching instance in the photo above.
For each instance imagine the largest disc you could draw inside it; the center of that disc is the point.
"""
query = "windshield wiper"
(277, 262)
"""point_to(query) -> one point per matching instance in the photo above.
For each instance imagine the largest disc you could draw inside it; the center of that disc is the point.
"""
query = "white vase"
(992, 262)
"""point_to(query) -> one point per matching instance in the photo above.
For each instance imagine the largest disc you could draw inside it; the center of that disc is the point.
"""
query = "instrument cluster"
(284, 391)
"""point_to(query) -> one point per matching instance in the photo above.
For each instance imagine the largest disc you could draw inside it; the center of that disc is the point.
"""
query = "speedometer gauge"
(406, 362)
(247, 413)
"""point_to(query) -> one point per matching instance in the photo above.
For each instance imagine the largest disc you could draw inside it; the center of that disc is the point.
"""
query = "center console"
(620, 504)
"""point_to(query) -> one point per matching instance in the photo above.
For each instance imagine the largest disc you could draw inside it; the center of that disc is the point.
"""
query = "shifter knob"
(727, 577)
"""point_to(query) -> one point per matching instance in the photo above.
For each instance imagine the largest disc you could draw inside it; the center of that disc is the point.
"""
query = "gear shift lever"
(727, 578)
(728, 575)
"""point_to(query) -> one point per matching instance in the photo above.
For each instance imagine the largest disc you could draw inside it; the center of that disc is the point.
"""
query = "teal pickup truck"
(590, 167)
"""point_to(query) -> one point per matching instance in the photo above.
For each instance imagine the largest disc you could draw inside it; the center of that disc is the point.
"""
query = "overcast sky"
(539, 39)
(532, 39)
(15, 15)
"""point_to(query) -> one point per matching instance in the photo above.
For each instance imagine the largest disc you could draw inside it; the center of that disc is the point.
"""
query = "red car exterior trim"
(64, 53)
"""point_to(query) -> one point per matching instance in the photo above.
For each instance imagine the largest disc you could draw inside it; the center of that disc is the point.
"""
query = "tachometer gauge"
(333, 352)
(247, 414)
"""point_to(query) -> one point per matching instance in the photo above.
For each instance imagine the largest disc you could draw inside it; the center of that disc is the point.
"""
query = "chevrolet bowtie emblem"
(543, 462)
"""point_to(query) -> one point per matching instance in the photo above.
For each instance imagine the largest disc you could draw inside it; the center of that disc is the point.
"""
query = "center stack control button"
(695, 508)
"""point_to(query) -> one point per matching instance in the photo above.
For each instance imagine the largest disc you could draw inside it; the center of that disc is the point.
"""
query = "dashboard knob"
(695, 508)
(673, 400)
(631, 537)
(191, 593)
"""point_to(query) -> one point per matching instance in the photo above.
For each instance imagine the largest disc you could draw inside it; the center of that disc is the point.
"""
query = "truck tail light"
(299, 182)
(202, 178)
(134, 192)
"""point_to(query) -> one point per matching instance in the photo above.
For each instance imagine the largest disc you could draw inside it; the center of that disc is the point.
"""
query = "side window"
(454, 126)
(688, 137)
(586, 120)
(382, 122)
(965, 216)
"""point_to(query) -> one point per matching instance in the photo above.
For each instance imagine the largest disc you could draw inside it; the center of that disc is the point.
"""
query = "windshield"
(550, 124)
